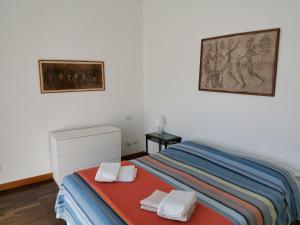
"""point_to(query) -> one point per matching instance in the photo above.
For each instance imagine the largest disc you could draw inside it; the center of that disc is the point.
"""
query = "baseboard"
(133, 156)
(48, 176)
(26, 181)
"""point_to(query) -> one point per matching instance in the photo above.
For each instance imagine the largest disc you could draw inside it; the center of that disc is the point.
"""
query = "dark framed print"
(243, 63)
(71, 75)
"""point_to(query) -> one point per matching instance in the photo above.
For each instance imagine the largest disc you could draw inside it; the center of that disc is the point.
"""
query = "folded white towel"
(108, 172)
(183, 218)
(127, 174)
(147, 208)
(151, 203)
(177, 204)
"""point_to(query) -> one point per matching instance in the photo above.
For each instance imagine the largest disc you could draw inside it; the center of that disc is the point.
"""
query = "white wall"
(168, 48)
(172, 33)
(70, 29)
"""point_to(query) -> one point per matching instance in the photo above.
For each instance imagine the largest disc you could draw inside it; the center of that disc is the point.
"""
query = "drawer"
(88, 157)
(105, 142)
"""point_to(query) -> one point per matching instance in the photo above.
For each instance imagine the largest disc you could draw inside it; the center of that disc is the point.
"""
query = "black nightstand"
(162, 139)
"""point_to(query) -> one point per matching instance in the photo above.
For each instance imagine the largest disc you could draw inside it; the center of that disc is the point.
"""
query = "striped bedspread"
(246, 191)
(78, 204)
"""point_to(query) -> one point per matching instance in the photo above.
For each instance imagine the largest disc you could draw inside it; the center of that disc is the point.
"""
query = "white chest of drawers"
(77, 149)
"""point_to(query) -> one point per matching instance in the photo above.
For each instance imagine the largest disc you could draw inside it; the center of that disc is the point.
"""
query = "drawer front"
(88, 158)
(109, 143)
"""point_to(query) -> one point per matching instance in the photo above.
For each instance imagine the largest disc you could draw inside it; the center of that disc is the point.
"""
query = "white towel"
(183, 218)
(108, 172)
(147, 208)
(152, 202)
(177, 204)
(127, 174)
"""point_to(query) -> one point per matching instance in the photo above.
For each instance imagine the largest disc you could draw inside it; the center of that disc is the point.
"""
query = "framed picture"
(244, 63)
(71, 75)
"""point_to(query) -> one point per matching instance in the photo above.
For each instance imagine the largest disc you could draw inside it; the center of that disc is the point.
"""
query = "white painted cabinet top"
(82, 132)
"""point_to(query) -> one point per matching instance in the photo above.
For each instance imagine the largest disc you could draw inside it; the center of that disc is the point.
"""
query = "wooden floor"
(29, 205)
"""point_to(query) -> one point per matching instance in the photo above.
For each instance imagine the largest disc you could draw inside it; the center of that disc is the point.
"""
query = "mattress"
(246, 191)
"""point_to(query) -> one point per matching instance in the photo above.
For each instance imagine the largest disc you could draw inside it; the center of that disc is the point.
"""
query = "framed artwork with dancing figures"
(243, 63)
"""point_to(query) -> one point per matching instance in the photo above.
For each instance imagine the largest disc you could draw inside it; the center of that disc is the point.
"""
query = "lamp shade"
(160, 123)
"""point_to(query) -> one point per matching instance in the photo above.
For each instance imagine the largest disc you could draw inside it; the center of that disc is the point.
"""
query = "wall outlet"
(136, 142)
(128, 143)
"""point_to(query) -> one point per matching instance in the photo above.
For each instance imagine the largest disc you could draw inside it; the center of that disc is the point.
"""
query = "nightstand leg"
(159, 145)
(146, 145)
(166, 145)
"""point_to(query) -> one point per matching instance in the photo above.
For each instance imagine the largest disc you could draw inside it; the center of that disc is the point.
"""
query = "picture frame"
(241, 63)
(71, 75)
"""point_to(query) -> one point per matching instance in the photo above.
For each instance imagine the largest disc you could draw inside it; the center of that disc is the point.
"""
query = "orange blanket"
(124, 199)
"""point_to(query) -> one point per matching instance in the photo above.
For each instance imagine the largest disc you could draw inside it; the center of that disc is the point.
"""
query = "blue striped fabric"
(263, 178)
(272, 190)
(78, 204)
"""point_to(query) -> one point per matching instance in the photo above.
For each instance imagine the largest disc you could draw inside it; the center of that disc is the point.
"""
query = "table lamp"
(160, 123)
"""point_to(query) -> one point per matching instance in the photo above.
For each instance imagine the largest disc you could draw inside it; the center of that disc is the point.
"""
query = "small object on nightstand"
(162, 139)
(160, 123)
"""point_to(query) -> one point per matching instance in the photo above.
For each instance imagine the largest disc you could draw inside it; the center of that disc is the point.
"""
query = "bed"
(231, 188)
